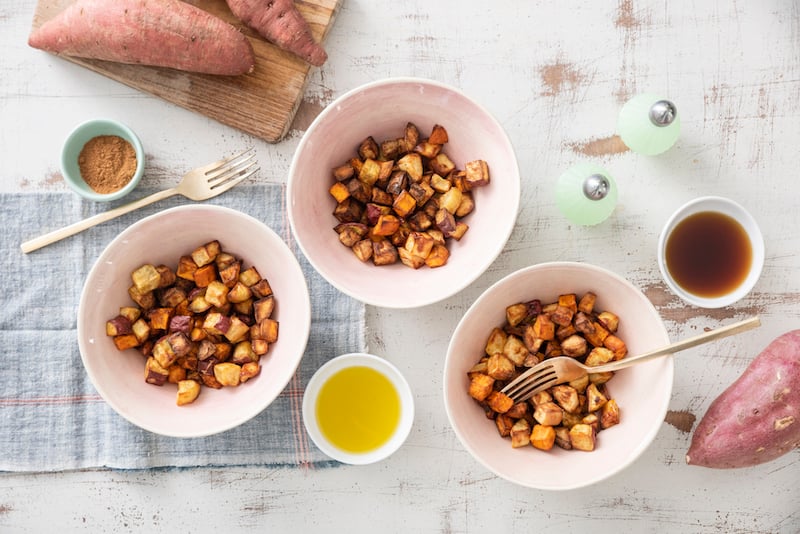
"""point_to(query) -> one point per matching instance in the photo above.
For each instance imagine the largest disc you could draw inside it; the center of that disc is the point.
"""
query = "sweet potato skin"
(757, 418)
(279, 22)
(164, 33)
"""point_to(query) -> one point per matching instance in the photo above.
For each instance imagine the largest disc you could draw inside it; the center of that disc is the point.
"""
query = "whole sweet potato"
(279, 22)
(164, 33)
(757, 419)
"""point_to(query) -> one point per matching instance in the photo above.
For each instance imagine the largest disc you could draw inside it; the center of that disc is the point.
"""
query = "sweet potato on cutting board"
(757, 419)
(279, 22)
(164, 33)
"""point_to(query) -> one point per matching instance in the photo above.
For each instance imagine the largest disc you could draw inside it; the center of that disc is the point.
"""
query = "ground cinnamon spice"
(107, 163)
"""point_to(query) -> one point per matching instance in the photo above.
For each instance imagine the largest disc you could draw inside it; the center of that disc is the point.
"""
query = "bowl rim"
(736, 211)
(467, 280)
(102, 389)
(385, 368)
(105, 126)
(648, 437)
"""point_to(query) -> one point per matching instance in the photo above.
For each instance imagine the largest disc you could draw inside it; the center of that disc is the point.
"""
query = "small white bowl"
(734, 210)
(385, 368)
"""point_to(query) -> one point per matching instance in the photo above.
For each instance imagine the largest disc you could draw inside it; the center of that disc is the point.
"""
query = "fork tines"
(236, 167)
(526, 386)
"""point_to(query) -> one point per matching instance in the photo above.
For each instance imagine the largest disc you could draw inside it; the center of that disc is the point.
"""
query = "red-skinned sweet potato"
(164, 33)
(279, 22)
(757, 418)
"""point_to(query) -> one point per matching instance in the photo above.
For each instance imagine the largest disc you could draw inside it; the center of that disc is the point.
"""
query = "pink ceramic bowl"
(381, 110)
(642, 391)
(119, 375)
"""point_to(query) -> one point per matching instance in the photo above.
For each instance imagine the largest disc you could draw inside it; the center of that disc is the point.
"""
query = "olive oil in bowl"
(358, 408)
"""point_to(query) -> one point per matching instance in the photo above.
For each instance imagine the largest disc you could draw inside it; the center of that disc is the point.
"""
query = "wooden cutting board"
(262, 103)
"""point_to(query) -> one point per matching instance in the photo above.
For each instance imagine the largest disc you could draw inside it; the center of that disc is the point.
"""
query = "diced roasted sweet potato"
(249, 370)
(586, 304)
(144, 300)
(566, 397)
(466, 206)
(438, 256)
(518, 411)
(599, 356)
(439, 183)
(146, 278)
(582, 437)
(496, 341)
(368, 148)
(594, 398)
(386, 225)
(205, 254)
(609, 414)
(266, 330)
(616, 345)
(477, 173)
(188, 391)
(343, 172)
(562, 315)
(404, 203)
(499, 402)
(427, 150)
(520, 434)
(544, 328)
(442, 164)
(438, 135)
(515, 350)
(205, 275)
(500, 367)
(217, 293)
(480, 386)
(159, 318)
(126, 341)
(370, 170)
(450, 200)
(339, 191)
(598, 334)
(574, 346)
(228, 374)
(548, 413)
(186, 268)
(118, 326)
(504, 423)
(363, 250)
(543, 437)
(516, 313)
(384, 253)
(154, 373)
(411, 163)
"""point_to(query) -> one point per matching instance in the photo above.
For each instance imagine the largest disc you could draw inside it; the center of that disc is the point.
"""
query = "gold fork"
(562, 369)
(201, 183)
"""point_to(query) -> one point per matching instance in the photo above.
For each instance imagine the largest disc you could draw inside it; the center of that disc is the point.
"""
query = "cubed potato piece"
(480, 386)
(267, 330)
(583, 323)
(608, 320)
(363, 250)
(515, 350)
(249, 276)
(261, 288)
(404, 204)
(518, 411)
(499, 402)
(599, 356)
(543, 437)
(419, 244)
(562, 315)
(126, 341)
(368, 148)
(238, 330)
(520, 434)
(580, 384)
(439, 183)
(369, 172)
(411, 163)
(398, 182)
(409, 259)
(541, 398)
(442, 164)
(386, 225)
(249, 370)
(384, 252)
(422, 193)
(176, 374)
(574, 346)
(477, 173)
(410, 136)
(206, 254)
(609, 414)
(217, 293)
(566, 397)
(531, 340)
(238, 293)
(359, 190)
(548, 413)
(544, 328)
(229, 273)
(438, 135)
(445, 222)
(592, 420)
(594, 398)
(141, 330)
(569, 300)
(163, 353)
(159, 318)
(466, 206)
(118, 326)
(496, 341)
(263, 308)
(500, 367)
(504, 423)
(390, 149)
(450, 200)
(216, 323)
(438, 256)
(562, 437)
(563, 332)
(343, 172)
(228, 374)
(205, 275)
(154, 373)
(516, 313)
(598, 335)
(586, 304)
(600, 378)
(617, 346)
(146, 278)
(582, 437)
(188, 391)
(186, 268)
(243, 353)
(427, 150)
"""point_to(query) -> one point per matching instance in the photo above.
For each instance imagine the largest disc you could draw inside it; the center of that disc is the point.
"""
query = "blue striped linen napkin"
(52, 418)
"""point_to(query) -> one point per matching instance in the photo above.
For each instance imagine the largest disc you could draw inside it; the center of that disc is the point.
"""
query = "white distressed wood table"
(555, 74)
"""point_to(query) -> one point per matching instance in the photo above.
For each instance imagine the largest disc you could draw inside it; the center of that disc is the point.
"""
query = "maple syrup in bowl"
(711, 252)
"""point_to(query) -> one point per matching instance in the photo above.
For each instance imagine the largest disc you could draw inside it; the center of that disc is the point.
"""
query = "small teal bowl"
(73, 146)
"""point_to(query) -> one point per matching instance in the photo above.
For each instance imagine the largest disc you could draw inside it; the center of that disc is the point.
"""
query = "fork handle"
(72, 229)
(684, 344)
